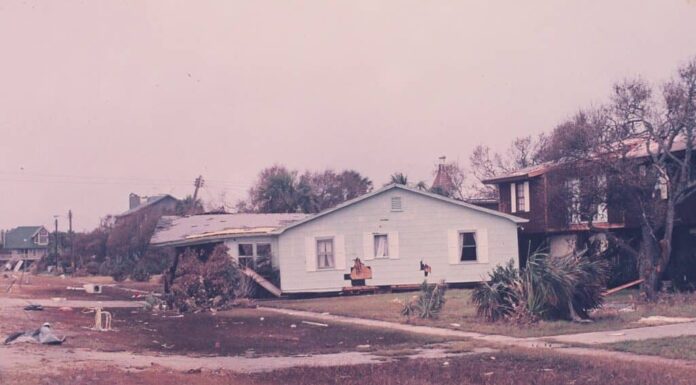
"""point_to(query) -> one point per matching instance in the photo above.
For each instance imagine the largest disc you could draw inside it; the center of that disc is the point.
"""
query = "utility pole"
(198, 183)
(55, 240)
(70, 235)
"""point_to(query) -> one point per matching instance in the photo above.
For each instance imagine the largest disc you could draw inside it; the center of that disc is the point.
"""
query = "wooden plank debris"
(624, 286)
(263, 282)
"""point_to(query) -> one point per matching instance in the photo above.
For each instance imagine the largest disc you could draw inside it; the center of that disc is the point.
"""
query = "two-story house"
(533, 193)
(25, 243)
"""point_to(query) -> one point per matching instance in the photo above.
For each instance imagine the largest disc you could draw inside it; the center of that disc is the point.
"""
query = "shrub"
(92, 268)
(140, 273)
(500, 297)
(428, 303)
(205, 283)
(548, 288)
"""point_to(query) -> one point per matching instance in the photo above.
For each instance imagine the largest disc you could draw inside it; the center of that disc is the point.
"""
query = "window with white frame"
(381, 245)
(521, 197)
(467, 246)
(43, 237)
(325, 254)
(246, 254)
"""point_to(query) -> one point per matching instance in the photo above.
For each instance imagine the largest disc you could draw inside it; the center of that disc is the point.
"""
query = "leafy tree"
(279, 190)
(275, 191)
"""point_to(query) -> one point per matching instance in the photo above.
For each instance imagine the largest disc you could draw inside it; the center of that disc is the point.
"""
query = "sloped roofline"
(155, 200)
(405, 188)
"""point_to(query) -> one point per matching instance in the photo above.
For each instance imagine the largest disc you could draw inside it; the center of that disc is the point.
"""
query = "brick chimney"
(133, 201)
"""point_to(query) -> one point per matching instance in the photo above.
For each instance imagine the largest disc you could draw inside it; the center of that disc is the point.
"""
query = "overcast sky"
(102, 98)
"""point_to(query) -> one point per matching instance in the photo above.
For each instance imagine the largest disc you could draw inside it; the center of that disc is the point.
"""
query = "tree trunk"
(648, 264)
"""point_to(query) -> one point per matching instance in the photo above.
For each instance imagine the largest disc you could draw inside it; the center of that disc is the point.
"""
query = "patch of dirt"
(240, 331)
(43, 286)
(517, 367)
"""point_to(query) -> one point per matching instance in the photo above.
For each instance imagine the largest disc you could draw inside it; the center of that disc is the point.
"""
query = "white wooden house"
(394, 230)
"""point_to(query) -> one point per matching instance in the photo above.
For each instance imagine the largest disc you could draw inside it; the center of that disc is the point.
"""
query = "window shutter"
(453, 246)
(311, 254)
(526, 197)
(393, 238)
(340, 252)
(368, 246)
(513, 198)
(482, 245)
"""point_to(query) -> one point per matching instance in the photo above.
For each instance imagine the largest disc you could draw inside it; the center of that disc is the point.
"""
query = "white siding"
(422, 231)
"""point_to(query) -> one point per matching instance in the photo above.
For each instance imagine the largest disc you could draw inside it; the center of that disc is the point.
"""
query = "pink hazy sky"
(101, 98)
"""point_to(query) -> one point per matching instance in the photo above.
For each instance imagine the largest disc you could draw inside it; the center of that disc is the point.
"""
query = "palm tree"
(399, 178)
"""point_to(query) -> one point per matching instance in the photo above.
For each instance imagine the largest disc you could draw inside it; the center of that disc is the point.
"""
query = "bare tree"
(642, 147)
(524, 151)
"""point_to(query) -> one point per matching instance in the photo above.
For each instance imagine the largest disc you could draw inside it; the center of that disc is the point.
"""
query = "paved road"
(21, 302)
(594, 338)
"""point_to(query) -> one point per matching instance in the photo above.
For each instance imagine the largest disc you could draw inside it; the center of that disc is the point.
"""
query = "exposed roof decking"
(174, 230)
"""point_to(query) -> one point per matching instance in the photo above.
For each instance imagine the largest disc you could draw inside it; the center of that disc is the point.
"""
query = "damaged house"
(392, 236)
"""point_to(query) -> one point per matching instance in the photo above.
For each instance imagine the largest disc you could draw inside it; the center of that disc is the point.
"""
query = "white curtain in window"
(381, 246)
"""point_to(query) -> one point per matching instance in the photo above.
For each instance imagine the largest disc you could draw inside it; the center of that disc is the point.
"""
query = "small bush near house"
(428, 303)
(548, 288)
(205, 282)
(140, 272)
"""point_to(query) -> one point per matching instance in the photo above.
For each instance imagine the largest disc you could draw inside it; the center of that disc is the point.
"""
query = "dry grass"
(517, 367)
(683, 347)
(459, 309)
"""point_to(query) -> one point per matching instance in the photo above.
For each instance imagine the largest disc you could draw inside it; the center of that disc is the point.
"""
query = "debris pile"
(43, 335)
(205, 283)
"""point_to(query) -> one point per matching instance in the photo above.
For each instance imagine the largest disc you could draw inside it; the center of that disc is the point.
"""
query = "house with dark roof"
(533, 193)
(399, 234)
(156, 205)
(27, 243)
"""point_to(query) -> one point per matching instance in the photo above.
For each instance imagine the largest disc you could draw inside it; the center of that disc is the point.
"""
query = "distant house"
(156, 205)
(400, 233)
(27, 243)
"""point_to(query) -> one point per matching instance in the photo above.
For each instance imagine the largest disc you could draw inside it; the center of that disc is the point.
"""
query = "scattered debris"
(92, 288)
(75, 288)
(625, 286)
(315, 324)
(33, 307)
(43, 335)
(102, 320)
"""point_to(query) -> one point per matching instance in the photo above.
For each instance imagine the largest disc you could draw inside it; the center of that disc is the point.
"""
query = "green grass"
(683, 347)
(459, 309)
